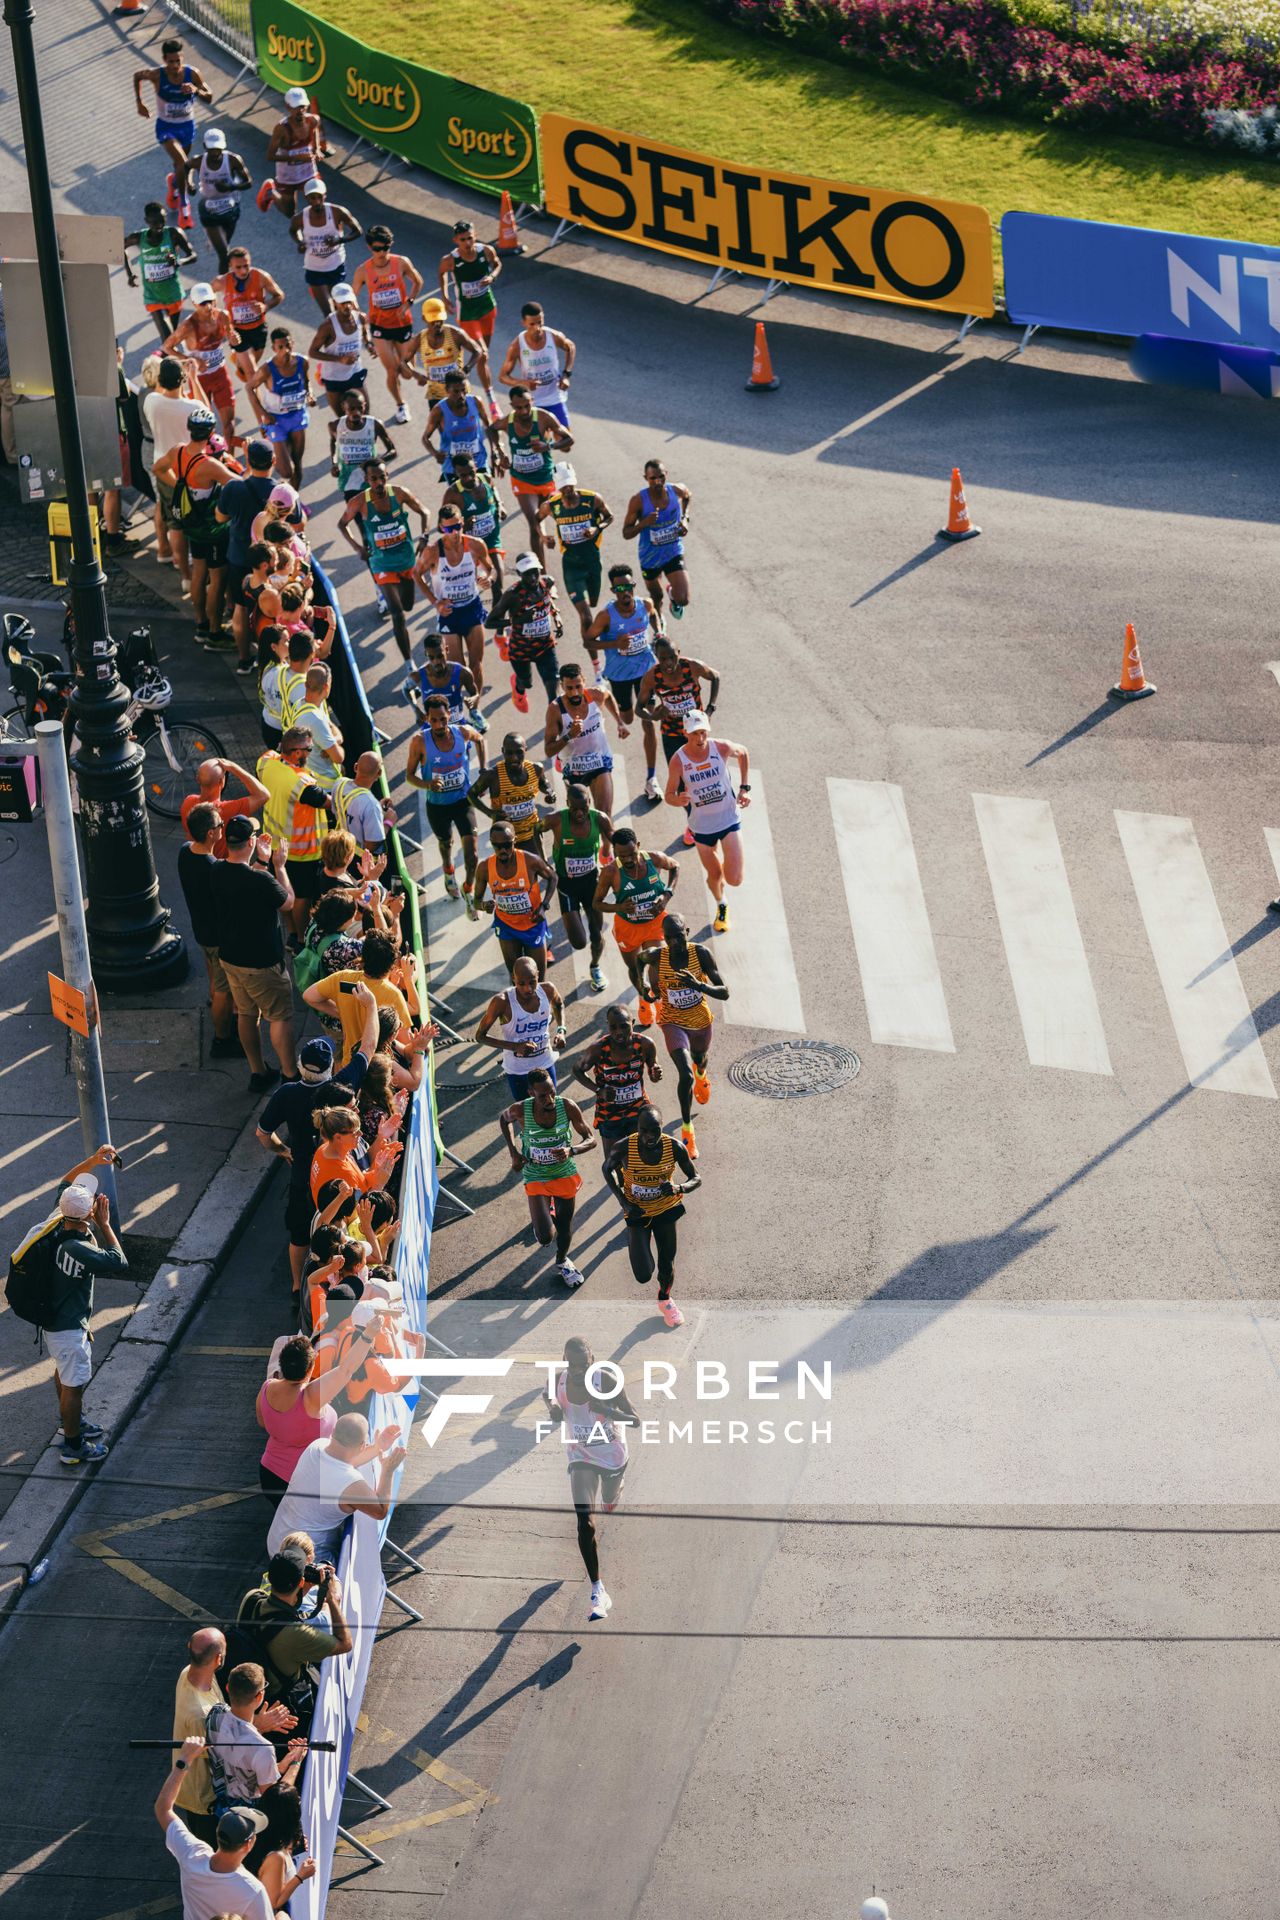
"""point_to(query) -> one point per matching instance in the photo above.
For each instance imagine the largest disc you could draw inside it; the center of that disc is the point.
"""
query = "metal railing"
(225, 22)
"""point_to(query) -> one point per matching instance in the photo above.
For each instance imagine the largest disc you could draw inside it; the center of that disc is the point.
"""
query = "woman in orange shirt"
(335, 1157)
(391, 283)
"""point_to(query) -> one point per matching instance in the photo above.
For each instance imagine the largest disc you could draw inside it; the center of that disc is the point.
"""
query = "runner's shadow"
(925, 554)
(1087, 725)
(1258, 931)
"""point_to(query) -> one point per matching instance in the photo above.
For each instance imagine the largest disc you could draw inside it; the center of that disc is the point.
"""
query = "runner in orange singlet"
(390, 283)
(521, 884)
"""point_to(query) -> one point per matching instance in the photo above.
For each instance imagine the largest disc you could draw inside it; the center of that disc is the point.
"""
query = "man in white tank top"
(453, 570)
(320, 233)
(329, 1483)
(531, 1030)
(699, 772)
(534, 360)
(339, 346)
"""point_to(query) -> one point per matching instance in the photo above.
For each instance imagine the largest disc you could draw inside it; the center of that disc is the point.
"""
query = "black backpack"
(29, 1288)
(249, 1638)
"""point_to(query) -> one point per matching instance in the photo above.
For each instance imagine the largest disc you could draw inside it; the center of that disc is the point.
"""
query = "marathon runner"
(391, 283)
(642, 1172)
(531, 433)
(579, 517)
(280, 390)
(623, 632)
(354, 438)
(476, 496)
(641, 897)
(547, 1123)
(386, 543)
(248, 295)
(204, 336)
(462, 428)
(575, 729)
(320, 232)
(578, 833)
(681, 978)
(440, 349)
(514, 784)
(452, 569)
(533, 361)
(531, 1031)
(669, 691)
(521, 884)
(294, 152)
(218, 177)
(339, 345)
(529, 604)
(440, 764)
(700, 765)
(659, 517)
(615, 1067)
(450, 678)
(596, 1454)
(177, 88)
(473, 268)
(160, 248)
(197, 478)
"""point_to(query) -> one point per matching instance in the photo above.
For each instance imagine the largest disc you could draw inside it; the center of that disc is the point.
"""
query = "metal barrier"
(225, 22)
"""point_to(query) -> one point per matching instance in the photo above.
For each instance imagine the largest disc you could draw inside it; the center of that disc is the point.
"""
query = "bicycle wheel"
(172, 751)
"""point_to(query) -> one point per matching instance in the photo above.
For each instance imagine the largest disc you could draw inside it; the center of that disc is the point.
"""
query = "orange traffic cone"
(762, 375)
(1134, 684)
(508, 234)
(959, 526)
(129, 9)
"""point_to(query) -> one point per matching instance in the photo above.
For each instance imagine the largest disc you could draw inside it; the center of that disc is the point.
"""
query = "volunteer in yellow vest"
(293, 677)
(642, 1171)
(360, 811)
(325, 762)
(297, 816)
(513, 787)
(681, 979)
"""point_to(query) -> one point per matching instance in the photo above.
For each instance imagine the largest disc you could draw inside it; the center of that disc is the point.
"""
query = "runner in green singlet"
(160, 247)
(544, 1158)
(641, 884)
(473, 267)
(578, 831)
(477, 498)
(533, 435)
(385, 541)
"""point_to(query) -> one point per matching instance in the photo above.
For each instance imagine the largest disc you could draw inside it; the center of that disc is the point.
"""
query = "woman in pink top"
(294, 1409)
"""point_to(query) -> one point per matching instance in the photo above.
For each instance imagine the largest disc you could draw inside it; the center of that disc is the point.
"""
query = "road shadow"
(931, 552)
(1078, 732)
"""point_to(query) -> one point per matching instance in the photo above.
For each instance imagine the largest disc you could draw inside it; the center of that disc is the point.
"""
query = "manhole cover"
(792, 1068)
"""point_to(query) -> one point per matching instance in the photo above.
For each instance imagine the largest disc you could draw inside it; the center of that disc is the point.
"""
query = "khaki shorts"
(267, 991)
(70, 1354)
(164, 499)
(218, 982)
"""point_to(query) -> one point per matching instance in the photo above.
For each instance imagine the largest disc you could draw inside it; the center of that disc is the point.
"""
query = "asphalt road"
(1055, 921)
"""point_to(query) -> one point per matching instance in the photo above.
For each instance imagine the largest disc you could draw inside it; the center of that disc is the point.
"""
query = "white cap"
(201, 292)
(315, 185)
(361, 1314)
(564, 474)
(76, 1201)
(297, 97)
(696, 722)
(214, 137)
(873, 1910)
(342, 293)
(528, 562)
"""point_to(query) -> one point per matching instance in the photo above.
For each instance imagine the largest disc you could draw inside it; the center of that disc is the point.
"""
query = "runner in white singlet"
(699, 776)
(534, 360)
(594, 1438)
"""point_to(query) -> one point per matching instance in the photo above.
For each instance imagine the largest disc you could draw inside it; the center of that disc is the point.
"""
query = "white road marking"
(1047, 963)
(754, 957)
(906, 1006)
(1273, 847)
(1273, 666)
(1207, 1002)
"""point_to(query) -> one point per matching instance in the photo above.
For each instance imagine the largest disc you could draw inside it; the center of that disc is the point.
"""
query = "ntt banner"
(812, 233)
(465, 133)
(1096, 278)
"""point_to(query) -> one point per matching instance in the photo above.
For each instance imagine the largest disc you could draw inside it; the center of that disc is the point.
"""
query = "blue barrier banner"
(1251, 373)
(1094, 278)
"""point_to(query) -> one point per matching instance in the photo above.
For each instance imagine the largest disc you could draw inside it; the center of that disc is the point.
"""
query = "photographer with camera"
(271, 1629)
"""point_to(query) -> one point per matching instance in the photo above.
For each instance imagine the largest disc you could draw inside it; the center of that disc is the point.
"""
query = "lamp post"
(131, 942)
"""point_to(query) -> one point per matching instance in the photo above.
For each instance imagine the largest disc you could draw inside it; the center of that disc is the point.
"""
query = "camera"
(315, 1576)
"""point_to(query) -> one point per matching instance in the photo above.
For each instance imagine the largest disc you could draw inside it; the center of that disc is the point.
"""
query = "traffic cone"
(959, 526)
(1134, 684)
(763, 379)
(129, 9)
(508, 234)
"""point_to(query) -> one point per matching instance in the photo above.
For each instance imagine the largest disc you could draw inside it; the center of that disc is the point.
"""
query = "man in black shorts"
(239, 504)
(431, 750)
(615, 1068)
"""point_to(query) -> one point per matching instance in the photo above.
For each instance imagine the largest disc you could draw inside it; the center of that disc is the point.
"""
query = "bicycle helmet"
(153, 690)
(201, 423)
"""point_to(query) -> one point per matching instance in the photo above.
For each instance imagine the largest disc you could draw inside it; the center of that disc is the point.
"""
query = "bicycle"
(171, 749)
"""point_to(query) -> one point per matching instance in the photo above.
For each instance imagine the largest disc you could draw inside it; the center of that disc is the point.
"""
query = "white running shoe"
(380, 603)
(401, 417)
(651, 790)
(598, 980)
(600, 1601)
(570, 1275)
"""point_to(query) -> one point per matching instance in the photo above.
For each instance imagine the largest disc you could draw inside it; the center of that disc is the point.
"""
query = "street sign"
(69, 1005)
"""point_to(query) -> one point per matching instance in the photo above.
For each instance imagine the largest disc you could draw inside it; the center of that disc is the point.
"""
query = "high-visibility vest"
(301, 719)
(285, 817)
(344, 792)
(293, 691)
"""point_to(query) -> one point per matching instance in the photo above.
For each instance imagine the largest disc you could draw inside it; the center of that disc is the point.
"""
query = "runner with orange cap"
(390, 283)
(440, 348)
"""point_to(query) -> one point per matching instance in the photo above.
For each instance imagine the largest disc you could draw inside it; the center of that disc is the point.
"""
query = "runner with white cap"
(293, 153)
(533, 360)
(320, 232)
(701, 767)
(339, 345)
(580, 518)
(218, 177)
(204, 338)
(529, 604)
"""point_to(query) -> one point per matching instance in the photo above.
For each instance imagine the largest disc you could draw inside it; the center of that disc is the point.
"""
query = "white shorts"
(70, 1355)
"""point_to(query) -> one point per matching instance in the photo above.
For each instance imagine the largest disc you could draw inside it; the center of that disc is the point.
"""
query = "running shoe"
(503, 645)
(651, 790)
(245, 668)
(202, 636)
(570, 1275)
(559, 768)
(184, 216)
(401, 417)
(671, 1313)
(721, 924)
(701, 1087)
(689, 1142)
(688, 837)
(469, 903)
(265, 195)
(380, 603)
(477, 720)
(677, 612)
(597, 979)
(450, 884)
(171, 193)
(519, 700)
(83, 1452)
(223, 642)
(600, 1601)
(90, 1430)
(645, 1015)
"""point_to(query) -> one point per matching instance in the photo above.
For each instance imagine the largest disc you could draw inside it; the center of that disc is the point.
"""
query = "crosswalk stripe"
(901, 984)
(1273, 847)
(754, 957)
(1206, 997)
(1047, 964)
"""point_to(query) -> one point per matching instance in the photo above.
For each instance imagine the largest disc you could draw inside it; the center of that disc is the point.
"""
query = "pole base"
(1130, 693)
(763, 386)
(509, 253)
(945, 533)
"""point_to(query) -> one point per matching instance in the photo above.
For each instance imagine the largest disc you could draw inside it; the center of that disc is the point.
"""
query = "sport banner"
(465, 133)
(813, 233)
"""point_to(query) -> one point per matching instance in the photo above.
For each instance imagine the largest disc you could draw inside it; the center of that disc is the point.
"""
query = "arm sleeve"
(314, 1643)
(316, 796)
(354, 1072)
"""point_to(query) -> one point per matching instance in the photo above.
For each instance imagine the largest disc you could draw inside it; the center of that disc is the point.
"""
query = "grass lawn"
(664, 68)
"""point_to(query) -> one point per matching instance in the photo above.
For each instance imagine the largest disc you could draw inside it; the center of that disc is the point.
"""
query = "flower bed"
(1177, 87)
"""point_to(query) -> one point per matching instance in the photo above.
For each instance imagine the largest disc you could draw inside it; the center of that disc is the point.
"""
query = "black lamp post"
(131, 942)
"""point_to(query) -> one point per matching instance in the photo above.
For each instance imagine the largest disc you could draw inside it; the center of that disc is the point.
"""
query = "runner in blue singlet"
(659, 517)
(177, 88)
(461, 426)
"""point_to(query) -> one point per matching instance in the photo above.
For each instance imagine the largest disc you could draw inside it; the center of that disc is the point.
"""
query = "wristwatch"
(181, 1765)
(745, 787)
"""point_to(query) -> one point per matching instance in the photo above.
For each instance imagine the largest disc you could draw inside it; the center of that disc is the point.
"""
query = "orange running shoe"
(701, 1086)
(689, 1142)
(646, 1014)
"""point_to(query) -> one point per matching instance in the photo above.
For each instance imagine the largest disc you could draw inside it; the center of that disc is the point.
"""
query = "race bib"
(646, 1193)
(158, 270)
(627, 1092)
(451, 778)
(525, 460)
(684, 997)
(517, 901)
(519, 809)
(578, 865)
(387, 537)
(585, 763)
(538, 625)
(544, 1156)
(387, 297)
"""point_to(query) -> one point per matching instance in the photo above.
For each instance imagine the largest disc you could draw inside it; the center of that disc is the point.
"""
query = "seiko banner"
(813, 233)
(1095, 278)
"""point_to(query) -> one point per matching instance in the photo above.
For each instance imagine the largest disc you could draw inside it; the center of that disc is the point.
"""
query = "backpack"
(308, 962)
(194, 516)
(249, 1638)
(29, 1288)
